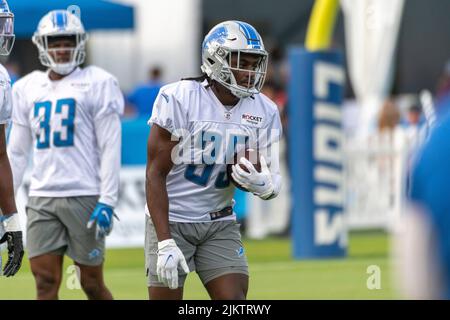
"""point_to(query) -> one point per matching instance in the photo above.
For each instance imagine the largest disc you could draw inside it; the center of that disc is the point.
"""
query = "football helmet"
(234, 38)
(60, 23)
(7, 36)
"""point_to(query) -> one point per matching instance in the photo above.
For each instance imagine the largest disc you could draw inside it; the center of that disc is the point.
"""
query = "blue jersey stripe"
(251, 35)
(244, 29)
(60, 19)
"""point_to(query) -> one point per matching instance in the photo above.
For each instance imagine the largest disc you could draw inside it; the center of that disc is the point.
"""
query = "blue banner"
(316, 154)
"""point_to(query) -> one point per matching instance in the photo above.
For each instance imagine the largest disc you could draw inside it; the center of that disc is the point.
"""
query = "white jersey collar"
(70, 75)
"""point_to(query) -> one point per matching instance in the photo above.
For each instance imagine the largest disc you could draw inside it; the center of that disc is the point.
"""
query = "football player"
(10, 230)
(70, 117)
(190, 222)
(422, 241)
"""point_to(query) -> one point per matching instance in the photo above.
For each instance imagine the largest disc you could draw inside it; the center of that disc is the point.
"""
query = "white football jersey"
(210, 133)
(61, 116)
(5, 96)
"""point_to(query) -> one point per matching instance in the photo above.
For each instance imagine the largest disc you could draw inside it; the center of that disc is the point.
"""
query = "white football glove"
(169, 257)
(258, 183)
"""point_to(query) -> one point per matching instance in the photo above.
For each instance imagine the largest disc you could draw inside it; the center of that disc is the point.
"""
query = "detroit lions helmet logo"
(217, 35)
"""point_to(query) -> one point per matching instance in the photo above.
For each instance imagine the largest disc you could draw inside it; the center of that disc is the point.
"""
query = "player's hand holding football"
(169, 257)
(258, 183)
(13, 236)
(103, 219)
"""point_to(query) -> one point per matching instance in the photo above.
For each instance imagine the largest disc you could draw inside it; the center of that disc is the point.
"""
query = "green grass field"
(273, 273)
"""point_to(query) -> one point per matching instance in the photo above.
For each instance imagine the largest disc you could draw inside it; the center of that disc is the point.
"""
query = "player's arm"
(108, 134)
(21, 135)
(108, 131)
(275, 170)
(19, 147)
(7, 203)
(108, 106)
(159, 164)
(272, 153)
(418, 234)
(267, 183)
(417, 264)
(10, 230)
(275, 133)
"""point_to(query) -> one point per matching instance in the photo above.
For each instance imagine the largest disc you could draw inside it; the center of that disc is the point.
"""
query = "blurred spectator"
(141, 99)
(277, 72)
(443, 88)
(389, 117)
(413, 124)
(442, 99)
(275, 93)
(413, 116)
(388, 129)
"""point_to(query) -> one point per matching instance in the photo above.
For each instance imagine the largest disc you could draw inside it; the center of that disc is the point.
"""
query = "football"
(252, 156)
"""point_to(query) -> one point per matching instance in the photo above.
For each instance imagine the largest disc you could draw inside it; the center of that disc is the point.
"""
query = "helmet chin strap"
(240, 94)
(62, 69)
(233, 87)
